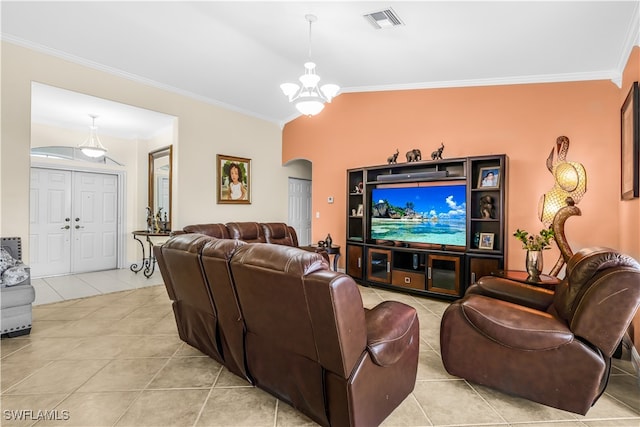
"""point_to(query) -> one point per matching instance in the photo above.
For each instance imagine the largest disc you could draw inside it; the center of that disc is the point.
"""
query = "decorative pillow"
(15, 275)
(6, 260)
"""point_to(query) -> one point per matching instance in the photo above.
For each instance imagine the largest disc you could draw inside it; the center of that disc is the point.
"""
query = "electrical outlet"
(318, 214)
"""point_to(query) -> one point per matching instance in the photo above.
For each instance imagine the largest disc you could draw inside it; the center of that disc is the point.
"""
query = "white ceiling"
(237, 53)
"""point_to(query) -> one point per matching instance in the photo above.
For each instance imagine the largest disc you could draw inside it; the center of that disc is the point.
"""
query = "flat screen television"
(434, 214)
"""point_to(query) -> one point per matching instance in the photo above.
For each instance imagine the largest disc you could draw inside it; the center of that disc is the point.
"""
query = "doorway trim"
(122, 200)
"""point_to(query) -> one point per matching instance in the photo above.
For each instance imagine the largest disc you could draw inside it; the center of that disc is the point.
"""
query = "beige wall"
(203, 130)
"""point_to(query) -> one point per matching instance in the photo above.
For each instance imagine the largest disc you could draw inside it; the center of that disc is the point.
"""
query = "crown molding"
(129, 76)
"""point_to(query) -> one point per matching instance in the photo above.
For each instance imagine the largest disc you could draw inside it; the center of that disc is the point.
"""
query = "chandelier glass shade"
(308, 97)
(92, 147)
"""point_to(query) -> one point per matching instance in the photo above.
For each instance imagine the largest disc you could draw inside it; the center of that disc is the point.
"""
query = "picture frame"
(486, 241)
(630, 144)
(360, 211)
(228, 192)
(489, 177)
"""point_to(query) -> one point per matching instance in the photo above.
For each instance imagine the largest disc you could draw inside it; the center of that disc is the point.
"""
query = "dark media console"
(402, 220)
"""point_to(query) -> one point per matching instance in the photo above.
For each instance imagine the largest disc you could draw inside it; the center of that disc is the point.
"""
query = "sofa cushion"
(214, 230)
(250, 232)
(15, 296)
(278, 233)
(513, 325)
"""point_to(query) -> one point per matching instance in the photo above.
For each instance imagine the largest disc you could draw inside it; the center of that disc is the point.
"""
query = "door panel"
(50, 228)
(95, 225)
(73, 222)
(300, 209)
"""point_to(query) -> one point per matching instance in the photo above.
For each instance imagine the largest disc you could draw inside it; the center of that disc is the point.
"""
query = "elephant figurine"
(437, 155)
(414, 155)
(393, 158)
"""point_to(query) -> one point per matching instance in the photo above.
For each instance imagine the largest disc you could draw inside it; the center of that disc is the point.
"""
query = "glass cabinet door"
(443, 274)
(379, 265)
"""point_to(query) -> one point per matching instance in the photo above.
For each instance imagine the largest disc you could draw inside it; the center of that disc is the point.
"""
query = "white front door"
(73, 221)
(50, 222)
(300, 209)
(94, 222)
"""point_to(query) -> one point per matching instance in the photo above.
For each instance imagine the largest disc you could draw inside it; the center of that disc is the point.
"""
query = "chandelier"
(92, 146)
(308, 98)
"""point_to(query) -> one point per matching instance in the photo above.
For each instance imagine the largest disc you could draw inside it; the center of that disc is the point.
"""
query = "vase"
(534, 264)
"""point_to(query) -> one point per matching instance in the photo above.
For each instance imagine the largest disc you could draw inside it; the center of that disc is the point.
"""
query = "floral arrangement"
(537, 242)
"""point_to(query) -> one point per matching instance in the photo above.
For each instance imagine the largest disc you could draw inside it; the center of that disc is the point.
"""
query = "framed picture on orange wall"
(630, 144)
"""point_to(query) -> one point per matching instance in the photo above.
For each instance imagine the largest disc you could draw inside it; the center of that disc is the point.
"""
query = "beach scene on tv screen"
(420, 214)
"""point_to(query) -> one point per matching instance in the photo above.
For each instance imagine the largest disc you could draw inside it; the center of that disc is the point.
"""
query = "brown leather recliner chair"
(193, 306)
(552, 348)
(310, 342)
(279, 233)
(217, 230)
(251, 232)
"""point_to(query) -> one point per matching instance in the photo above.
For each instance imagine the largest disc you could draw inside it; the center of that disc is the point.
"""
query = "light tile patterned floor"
(115, 359)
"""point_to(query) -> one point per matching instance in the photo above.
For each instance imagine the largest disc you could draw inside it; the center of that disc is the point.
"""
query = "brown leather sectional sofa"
(252, 232)
(278, 317)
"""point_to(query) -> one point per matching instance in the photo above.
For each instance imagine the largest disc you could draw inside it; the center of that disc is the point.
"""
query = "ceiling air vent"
(383, 19)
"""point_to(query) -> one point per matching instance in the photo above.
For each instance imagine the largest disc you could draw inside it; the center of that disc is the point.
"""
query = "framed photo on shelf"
(489, 177)
(360, 211)
(486, 241)
(233, 179)
(630, 144)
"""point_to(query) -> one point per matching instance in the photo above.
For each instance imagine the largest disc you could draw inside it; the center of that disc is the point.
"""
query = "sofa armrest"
(389, 326)
(512, 291)
(513, 325)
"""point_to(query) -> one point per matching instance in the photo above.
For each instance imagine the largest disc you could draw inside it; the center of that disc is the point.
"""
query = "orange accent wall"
(630, 210)
(522, 121)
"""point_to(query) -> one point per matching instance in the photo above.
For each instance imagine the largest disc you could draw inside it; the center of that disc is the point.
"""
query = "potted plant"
(534, 245)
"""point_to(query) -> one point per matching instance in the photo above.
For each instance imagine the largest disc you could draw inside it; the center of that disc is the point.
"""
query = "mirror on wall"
(160, 183)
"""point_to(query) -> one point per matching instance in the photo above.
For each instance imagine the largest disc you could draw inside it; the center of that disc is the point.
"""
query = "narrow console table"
(148, 264)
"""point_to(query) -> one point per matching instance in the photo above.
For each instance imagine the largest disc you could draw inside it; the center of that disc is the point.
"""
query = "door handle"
(67, 219)
(78, 226)
(66, 227)
(77, 219)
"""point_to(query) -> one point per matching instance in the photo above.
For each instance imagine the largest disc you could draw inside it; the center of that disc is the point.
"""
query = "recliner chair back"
(279, 233)
(294, 323)
(599, 296)
(216, 255)
(214, 230)
(196, 317)
(250, 232)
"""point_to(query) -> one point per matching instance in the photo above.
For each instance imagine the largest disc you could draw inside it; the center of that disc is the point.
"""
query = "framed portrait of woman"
(234, 179)
(489, 177)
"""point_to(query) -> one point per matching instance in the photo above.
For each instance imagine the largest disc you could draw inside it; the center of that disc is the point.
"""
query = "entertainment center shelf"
(427, 227)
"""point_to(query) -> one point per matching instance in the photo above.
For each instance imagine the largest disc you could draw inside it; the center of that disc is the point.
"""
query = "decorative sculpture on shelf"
(414, 155)
(558, 204)
(158, 221)
(486, 207)
(149, 219)
(392, 159)
(437, 155)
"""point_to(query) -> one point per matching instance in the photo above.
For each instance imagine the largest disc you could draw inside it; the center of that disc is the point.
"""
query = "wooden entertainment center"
(412, 263)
